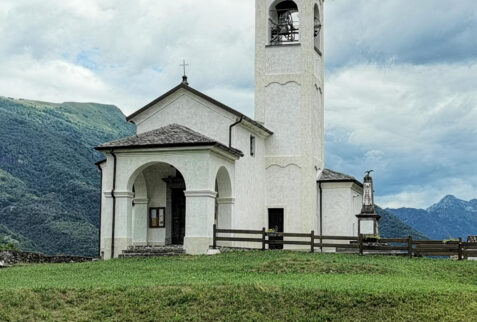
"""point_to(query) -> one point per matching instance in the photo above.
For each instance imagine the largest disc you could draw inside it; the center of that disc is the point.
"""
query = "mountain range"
(49, 185)
(449, 218)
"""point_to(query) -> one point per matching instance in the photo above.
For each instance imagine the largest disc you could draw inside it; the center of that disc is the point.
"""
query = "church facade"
(196, 162)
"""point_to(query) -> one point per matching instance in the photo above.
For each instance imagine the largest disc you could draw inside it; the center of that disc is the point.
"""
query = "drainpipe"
(321, 213)
(114, 204)
(100, 209)
(230, 130)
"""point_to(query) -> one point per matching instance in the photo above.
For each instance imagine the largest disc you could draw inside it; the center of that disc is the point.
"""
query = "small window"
(252, 145)
(157, 217)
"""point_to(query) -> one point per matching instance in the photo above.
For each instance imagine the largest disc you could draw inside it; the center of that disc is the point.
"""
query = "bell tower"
(289, 101)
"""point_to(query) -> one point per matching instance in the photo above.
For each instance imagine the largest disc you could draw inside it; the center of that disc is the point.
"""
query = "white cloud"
(133, 47)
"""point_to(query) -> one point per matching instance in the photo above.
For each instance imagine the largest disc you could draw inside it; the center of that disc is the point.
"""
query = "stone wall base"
(13, 257)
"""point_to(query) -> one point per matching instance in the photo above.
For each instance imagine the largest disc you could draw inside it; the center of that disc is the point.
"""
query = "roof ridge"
(207, 98)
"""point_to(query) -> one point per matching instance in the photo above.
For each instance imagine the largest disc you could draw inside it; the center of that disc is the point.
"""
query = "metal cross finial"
(184, 65)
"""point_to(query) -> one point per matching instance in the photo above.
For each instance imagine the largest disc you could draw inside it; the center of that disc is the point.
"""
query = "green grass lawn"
(243, 286)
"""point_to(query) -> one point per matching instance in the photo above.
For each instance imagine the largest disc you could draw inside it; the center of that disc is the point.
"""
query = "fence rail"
(399, 246)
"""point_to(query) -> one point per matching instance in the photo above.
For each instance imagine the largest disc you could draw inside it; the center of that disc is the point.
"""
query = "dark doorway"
(275, 221)
(178, 216)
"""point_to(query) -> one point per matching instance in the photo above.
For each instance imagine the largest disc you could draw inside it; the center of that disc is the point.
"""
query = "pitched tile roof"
(328, 175)
(173, 135)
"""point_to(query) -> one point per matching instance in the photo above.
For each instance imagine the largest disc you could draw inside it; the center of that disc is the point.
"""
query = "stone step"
(135, 255)
(157, 247)
(163, 250)
(152, 251)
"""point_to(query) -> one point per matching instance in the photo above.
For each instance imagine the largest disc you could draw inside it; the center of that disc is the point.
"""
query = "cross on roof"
(184, 65)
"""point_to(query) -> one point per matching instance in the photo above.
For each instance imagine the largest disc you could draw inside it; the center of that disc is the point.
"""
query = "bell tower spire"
(289, 99)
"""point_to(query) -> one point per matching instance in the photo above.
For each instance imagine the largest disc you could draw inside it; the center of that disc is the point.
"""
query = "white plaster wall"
(318, 71)
(318, 128)
(284, 192)
(189, 110)
(283, 59)
(284, 117)
(249, 208)
(340, 207)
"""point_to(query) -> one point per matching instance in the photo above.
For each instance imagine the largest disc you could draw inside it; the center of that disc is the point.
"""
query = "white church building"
(195, 162)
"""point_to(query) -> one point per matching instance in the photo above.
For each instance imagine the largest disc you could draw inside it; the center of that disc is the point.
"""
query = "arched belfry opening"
(284, 23)
(317, 28)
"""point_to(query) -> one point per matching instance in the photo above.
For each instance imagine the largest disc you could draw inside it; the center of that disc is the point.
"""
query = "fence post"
(460, 249)
(409, 246)
(312, 241)
(263, 238)
(360, 244)
(214, 237)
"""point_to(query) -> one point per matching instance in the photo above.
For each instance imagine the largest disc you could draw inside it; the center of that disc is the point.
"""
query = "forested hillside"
(49, 185)
(392, 227)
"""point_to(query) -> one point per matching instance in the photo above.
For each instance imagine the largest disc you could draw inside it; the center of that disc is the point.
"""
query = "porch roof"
(328, 175)
(173, 135)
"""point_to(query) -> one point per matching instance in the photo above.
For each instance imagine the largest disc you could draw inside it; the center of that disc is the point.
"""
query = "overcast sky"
(401, 76)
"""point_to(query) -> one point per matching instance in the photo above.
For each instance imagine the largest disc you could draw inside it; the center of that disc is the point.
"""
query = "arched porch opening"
(224, 201)
(158, 205)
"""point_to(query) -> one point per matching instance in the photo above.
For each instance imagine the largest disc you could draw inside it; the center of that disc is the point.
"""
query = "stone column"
(123, 224)
(140, 222)
(106, 225)
(224, 220)
(200, 210)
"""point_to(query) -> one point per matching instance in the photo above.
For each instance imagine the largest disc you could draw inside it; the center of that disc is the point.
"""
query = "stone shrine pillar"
(368, 219)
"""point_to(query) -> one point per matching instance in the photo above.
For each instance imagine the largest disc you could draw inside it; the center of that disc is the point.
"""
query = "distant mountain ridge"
(49, 186)
(449, 218)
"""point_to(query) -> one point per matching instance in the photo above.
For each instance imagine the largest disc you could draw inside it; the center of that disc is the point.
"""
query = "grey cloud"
(415, 125)
(418, 32)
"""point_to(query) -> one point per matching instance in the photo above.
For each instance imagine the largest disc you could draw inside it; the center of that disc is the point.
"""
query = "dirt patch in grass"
(316, 266)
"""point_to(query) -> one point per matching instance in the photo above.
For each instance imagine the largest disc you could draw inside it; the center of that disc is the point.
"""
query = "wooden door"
(275, 221)
(178, 216)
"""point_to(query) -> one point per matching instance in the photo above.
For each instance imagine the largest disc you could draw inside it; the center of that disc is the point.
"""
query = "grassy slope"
(49, 185)
(250, 285)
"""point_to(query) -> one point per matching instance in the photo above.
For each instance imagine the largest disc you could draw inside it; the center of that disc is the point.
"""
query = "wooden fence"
(395, 246)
